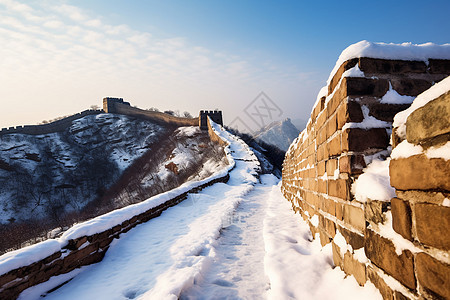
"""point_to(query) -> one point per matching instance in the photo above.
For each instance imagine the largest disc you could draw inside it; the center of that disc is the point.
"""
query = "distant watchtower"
(109, 104)
(215, 115)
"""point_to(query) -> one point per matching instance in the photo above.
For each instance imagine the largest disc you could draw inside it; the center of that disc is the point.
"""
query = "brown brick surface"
(348, 112)
(432, 225)
(354, 216)
(352, 164)
(339, 188)
(381, 252)
(433, 275)
(434, 173)
(386, 112)
(356, 240)
(439, 66)
(386, 66)
(332, 165)
(334, 146)
(360, 86)
(357, 139)
(430, 120)
(401, 218)
(344, 67)
(409, 86)
(379, 283)
(355, 268)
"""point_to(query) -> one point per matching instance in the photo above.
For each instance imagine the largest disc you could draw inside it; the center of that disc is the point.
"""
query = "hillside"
(53, 180)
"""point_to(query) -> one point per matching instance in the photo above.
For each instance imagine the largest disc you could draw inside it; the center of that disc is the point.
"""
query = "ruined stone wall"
(155, 116)
(56, 126)
(349, 126)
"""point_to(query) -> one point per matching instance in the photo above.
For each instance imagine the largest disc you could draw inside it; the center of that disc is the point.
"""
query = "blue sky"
(60, 57)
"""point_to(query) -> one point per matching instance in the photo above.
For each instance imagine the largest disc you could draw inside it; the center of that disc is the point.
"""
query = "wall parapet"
(350, 126)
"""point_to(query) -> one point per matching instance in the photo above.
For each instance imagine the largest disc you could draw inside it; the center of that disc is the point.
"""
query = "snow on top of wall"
(404, 51)
(405, 150)
(374, 183)
(421, 100)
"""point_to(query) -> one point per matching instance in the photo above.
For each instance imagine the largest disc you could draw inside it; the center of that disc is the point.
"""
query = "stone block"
(432, 223)
(357, 139)
(339, 188)
(337, 259)
(320, 168)
(332, 165)
(360, 86)
(381, 252)
(354, 216)
(429, 121)
(379, 283)
(410, 86)
(439, 66)
(331, 125)
(401, 218)
(347, 65)
(373, 211)
(349, 112)
(322, 184)
(434, 173)
(330, 227)
(355, 268)
(352, 164)
(356, 240)
(339, 211)
(433, 275)
(328, 206)
(386, 112)
(387, 66)
(334, 146)
(324, 238)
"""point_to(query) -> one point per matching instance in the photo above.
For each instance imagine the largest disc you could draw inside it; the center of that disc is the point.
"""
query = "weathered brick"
(356, 240)
(357, 139)
(328, 205)
(386, 112)
(352, 164)
(432, 223)
(331, 125)
(439, 66)
(430, 120)
(339, 211)
(385, 66)
(379, 283)
(354, 216)
(324, 238)
(344, 67)
(334, 146)
(348, 112)
(339, 188)
(360, 86)
(374, 211)
(381, 252)
(321, 119)
(410, 86)
(320, 168)
(433, 275)
(401, 218)
(434, 173)
(330, 227)
(355, 268)
(337, 259)
(332, 165)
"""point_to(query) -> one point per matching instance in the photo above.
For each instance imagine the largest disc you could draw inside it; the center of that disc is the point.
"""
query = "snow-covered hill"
(100, 163)
(280, 134)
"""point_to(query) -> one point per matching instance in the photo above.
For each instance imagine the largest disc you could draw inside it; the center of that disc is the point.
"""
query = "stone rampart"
(56, 126)
(114, 105)
(350, 125)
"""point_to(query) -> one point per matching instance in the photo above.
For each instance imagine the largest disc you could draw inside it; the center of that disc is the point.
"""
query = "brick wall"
(125, 109)
(86, 250)
(56, 126)
(348, 127)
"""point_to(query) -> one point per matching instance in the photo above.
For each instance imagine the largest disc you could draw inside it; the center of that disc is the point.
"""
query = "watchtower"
(109, 104)
(215, 115)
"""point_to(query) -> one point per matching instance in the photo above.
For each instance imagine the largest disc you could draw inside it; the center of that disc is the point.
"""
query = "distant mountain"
(280, 134)
(299, 123)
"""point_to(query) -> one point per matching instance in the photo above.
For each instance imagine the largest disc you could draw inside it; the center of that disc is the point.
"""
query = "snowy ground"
(235, 240)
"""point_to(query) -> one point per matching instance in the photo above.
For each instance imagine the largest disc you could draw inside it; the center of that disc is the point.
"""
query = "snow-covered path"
(235, 240)
(237, 270)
